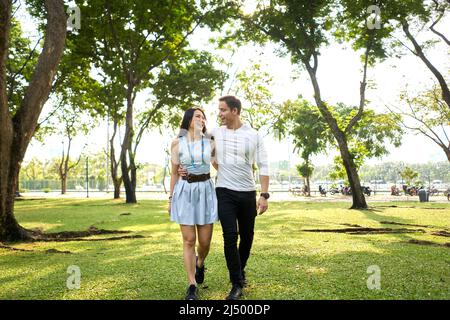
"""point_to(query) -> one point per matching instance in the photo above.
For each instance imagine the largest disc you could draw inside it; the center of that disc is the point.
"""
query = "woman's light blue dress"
(194, 203)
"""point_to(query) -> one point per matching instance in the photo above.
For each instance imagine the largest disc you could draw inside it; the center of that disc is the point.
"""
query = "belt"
(196, 178)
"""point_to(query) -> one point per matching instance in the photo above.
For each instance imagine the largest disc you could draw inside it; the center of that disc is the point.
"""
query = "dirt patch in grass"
(350, 225)
(37, 235)
(109, 239)
(441, 233)
(428, 243)
(14, 249)
(71, 236)
(57, 251)
(411, 225)
(403, 207)
(64, 235)
(24, 250)
(361, 230)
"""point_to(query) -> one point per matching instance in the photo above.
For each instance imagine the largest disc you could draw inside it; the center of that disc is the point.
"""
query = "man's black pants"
(237, 212)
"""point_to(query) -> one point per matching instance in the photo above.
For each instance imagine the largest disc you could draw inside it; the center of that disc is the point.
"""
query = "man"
(238, 147)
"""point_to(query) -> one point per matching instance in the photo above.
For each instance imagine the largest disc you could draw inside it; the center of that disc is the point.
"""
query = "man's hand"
(182, 172)
(263, 205)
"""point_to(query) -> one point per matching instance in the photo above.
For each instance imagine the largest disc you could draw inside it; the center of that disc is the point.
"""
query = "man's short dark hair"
(232, 102)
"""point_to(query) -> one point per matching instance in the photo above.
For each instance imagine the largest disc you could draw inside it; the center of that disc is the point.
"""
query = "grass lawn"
(287, 262)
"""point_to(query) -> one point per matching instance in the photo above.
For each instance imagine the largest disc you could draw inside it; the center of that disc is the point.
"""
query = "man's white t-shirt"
(236, 152)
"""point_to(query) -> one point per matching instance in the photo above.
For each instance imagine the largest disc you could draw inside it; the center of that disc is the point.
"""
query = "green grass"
(286, 261)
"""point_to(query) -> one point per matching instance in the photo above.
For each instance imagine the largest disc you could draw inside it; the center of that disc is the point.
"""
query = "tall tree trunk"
(64, 184)
(62, 172)
(64, 167)
(129, 171)
(308, 185)
(359, 202)
(16, 131)
(117, 181)
(447, 151)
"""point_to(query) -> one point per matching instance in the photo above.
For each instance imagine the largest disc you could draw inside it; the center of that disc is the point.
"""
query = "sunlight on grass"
(287, 262)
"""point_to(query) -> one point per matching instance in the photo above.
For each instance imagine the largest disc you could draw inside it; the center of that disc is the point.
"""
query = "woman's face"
(198, 121)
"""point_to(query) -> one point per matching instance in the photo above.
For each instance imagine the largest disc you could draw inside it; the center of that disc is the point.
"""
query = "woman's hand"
(182, 172)
(170, 204)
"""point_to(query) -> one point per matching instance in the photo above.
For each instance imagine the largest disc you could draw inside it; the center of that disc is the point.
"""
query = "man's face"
(225, 113)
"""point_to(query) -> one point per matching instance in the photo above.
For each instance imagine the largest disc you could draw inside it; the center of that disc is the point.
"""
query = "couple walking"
(195, 205)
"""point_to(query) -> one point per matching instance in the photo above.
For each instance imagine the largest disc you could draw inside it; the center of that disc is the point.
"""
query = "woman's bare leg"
(188, 233)
(204, 233)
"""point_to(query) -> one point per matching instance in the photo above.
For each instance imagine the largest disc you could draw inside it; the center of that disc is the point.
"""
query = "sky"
(339, 74)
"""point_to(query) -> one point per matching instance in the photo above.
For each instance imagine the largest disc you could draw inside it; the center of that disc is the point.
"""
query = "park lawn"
(287, 262)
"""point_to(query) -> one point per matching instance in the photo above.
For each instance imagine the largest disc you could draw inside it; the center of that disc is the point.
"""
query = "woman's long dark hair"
(187, 119)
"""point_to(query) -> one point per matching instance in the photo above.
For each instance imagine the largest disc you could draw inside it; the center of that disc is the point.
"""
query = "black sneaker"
(235, 292)
(199, 273)
(192, 293)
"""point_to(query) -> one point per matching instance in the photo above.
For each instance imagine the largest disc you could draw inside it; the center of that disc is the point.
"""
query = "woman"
(193, 202)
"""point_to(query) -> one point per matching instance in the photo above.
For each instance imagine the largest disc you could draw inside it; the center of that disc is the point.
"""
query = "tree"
(306, 170)
(412, 19)
(428, 115)
(32, 170)
(72, 123)
(113, 111)
(303, 122)
(17, 125)
(77, 95)
(302, 28)
(254, 87)
(369, 138)
(409, 175)
(143, 45)
(311, 134)
(20, 69)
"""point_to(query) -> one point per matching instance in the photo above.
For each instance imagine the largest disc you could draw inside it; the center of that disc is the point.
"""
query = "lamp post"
(87, 177)
(107, 155)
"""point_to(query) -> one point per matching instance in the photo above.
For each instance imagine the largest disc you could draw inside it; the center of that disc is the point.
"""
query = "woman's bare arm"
(214, 155)
(175, 164)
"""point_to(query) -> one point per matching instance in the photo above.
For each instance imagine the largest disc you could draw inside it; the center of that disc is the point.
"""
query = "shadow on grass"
(285, 263)
(127, 272)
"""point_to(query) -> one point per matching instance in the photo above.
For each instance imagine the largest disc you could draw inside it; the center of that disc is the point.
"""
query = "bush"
(47, 190)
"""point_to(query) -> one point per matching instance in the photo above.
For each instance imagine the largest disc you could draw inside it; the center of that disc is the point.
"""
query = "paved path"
(275, 196)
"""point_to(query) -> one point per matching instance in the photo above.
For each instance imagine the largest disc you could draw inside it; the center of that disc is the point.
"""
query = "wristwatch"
(265, 195)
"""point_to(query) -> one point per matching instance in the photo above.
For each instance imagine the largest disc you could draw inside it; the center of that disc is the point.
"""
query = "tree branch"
(416, 118)
(11, 89)
(445, 133)
(174, 50)
(61, 103)
(362, 88)
(421, 54)
(437, 32)
(26, 117)
(113, 33)
(145, 125)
